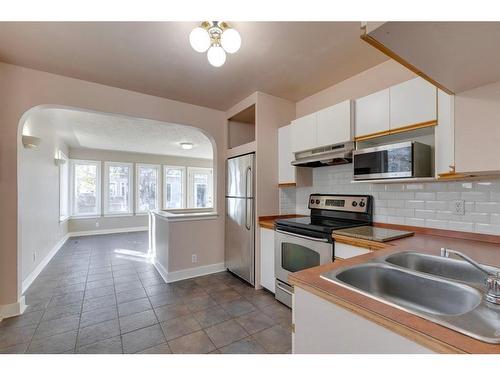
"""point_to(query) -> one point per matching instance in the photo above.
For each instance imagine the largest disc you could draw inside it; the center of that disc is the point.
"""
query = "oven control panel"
(348, 203)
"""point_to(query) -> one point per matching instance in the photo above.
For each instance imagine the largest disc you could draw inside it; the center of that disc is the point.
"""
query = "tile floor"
(100, 295)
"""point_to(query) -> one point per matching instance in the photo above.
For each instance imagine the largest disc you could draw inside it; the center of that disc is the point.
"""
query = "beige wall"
(133, 221)
(372, 80)
(22, 89)
(41, 230)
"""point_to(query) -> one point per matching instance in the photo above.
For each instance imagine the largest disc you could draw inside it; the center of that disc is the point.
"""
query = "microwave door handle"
(302, 236)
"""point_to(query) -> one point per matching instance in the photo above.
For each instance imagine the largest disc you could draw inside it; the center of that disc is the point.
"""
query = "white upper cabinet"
(412, 102)
(286, 170)
(334, 124)
(372, 113)
(303, 133)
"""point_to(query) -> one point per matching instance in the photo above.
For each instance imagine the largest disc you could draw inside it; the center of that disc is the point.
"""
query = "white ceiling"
(80, 129)
(291, 60)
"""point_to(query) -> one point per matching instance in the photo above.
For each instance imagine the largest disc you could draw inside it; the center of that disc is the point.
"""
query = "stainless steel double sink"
(445, 291)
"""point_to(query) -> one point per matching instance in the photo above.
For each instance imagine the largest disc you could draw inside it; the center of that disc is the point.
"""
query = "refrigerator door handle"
(247, 224)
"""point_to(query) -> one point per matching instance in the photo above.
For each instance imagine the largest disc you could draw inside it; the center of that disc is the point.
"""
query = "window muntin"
(147, 183)
(174, 187)
(86, 183)
(117, 188)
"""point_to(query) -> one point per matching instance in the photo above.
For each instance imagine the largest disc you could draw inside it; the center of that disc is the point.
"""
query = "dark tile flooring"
(99, 294)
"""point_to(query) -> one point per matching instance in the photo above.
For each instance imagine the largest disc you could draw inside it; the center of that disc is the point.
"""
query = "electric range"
(307, 242)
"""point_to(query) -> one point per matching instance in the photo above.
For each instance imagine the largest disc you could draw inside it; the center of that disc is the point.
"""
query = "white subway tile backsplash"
(488, 229)
(415, 222)
(447, 196)
(425, 214)
(475, 196)
(416, 204)
(488, 207)
(425, 196)
(436, 205)
(438, 224)
(461, 226)
(395, 203)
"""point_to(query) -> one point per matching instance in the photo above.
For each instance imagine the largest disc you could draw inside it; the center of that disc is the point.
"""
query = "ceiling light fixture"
(216, 37)
(186, 145)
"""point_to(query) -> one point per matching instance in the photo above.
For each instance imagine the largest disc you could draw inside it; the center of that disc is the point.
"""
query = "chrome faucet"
(492, 293)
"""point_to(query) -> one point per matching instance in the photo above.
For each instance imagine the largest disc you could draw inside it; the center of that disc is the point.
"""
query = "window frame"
(158, 187)
(184, 186)
(64, 216)
(130, 211)
(98, 212)
(190, 186)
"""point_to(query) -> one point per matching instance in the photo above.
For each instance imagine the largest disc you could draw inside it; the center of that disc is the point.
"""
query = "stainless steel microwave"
(398, 160)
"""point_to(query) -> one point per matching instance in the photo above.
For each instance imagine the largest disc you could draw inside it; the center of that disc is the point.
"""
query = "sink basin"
(404, 289)
(445, 291)
(435, 265)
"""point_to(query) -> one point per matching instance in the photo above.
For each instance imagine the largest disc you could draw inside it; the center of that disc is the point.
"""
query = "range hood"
(340, 153)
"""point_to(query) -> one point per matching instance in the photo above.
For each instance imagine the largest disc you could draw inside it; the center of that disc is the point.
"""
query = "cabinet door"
(267, 278)
(303, 133)
(334, 124)
(286, 172)
(345, 251)
(372, 113)
(445, 134)
(412, 102)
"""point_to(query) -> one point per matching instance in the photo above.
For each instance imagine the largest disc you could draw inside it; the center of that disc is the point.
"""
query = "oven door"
(391, 161)
(295, 252)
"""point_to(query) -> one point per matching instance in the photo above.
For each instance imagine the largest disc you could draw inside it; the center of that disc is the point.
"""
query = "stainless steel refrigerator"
(240, 219)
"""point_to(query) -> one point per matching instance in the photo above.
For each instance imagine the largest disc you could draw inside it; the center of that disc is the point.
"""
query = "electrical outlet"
(459, 207)
(194, 258)
(97, 224)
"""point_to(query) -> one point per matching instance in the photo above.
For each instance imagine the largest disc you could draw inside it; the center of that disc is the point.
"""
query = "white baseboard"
(188, 272)
(107, 231)
(34, 274)
(13, 309)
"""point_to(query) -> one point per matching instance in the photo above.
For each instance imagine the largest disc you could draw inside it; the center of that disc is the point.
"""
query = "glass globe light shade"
(216, 56)
(199, 39)
(231, 40)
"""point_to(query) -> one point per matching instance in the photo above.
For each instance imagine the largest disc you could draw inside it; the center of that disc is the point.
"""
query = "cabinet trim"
(420, 125)
(382, 48)
(287, 184)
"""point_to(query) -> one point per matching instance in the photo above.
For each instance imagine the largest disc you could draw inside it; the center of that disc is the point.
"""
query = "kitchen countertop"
(482, 248)
(268, 221)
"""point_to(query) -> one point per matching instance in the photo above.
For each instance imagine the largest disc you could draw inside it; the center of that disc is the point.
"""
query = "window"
(86, 182)
(200, 187)
(117, 187)
(63, 187)
(174, 195)
(147, 177)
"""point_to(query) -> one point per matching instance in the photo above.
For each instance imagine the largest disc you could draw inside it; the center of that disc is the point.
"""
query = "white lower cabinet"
(344, 251)
(267, 279)
(322, 327)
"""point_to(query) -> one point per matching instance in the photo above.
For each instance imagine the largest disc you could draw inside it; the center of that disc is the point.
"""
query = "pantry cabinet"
(267, 279)
(372, 114)
(412, 102)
